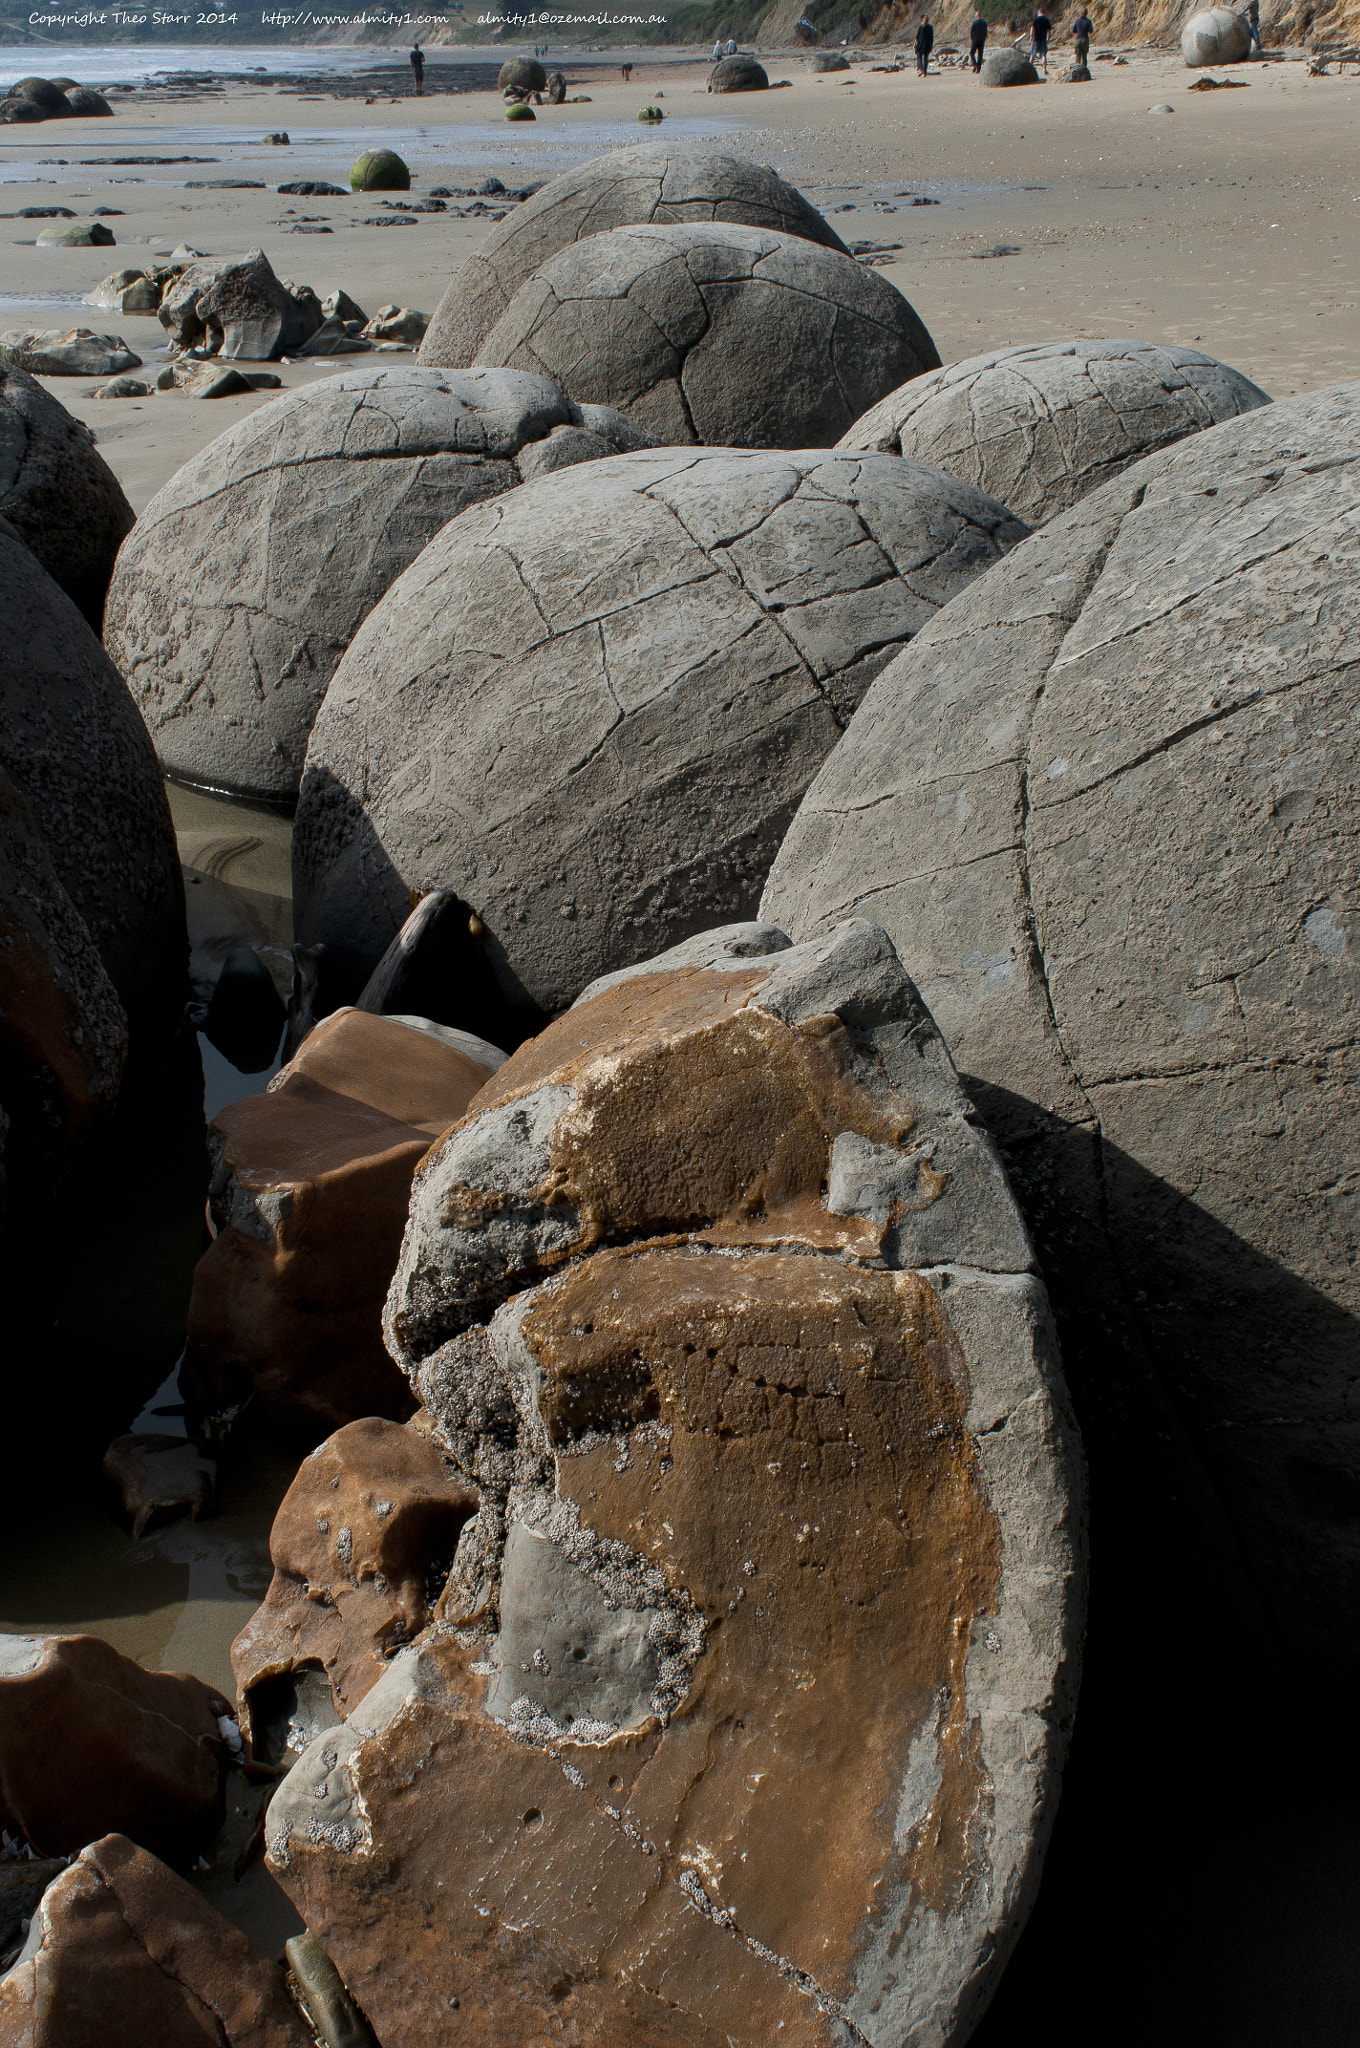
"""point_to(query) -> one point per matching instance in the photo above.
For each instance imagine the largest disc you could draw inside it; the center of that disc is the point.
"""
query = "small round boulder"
(58, 493)
(82, 101)
(1008, 67)
(589, 708)
(721, 335)
(521, 74)
(248, 574)
(652, 181)
(17, 110)
(830, 60)
(1041, 425)
(518, 111)
(379, 170)
(738, 74)
(1219, 35)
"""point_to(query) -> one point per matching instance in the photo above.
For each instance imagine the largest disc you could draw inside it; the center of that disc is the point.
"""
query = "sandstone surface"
(1105, 806)
(590, 707)
(743, 1716)
(58, 493)
(309, 1195)
(1040, 426)
(653, 181)
(714, 333)
(249, 573)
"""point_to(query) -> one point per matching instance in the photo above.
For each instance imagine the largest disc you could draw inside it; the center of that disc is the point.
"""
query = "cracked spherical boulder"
(58, 493)
(1008, 67)
(1041, 426)
(744, 1709)
(1216, 35)
(590, 708)
(654, 181)
(1106, 808)
(715, 334)
(738, 74)
(75, 747)
(249, 573)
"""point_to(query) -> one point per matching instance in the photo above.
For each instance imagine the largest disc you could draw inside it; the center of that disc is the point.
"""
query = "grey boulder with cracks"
(1106, 807)
(714, 334)
(58, 493)
(249, 573)
(1043, 425)
(591, 707)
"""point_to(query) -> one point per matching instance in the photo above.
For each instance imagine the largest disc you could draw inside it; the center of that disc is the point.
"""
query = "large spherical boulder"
(521, 74)
(1008, 67)
(18, 110)
(726, 336)
(1040, 426)
(249, 573)
(379, 170)
(1105, 805)
(1219, 35)
(80, 100)
(58, 493)
(590, 708)
(72, 741)
(830, 60)
(43, 93)
(654, 181)
(738, 74)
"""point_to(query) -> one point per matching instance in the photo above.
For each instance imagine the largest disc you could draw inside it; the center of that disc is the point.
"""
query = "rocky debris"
(125, 1953)
(1075, 74)
(830, 60)
(82, 101)
(63, 1035)
(277, 139)
(1043, 425)
(58, 493)
(313, 188)
(652, 181)
(42, 213)
(338, 305)
(738, 74)
(361, 1547)
(73, 352)
(76, 747)
(802, 1777)
(521, 74)
(398, 323)
(125, 291)
(235, 306)
(702, 623)
(17, 109)
(336, 338)
(140, 1753)
(159, 1478)
(379, 170)
(308, 1202)
(1008, 67)
(248, 574)
(1134, 922)
(556, 88)
(84, 235)
(122, 387)
(768, 340)
(1218, 35)
(199, 379)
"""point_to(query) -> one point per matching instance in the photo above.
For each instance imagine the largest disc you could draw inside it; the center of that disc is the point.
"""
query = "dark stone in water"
(246, 1016)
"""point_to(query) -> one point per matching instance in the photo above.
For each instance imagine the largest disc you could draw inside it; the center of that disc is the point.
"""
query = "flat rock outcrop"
(58, 493)
(1104, 806)
(249, 573)
(1041, 426)
(73, 743)
(744, 1714)
(718, 334)
(590, 707)
(125, 1953)
(654, 181)
(309, 1195)
(91, 1744)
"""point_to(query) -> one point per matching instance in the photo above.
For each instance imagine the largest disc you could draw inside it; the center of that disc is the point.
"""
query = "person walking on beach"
(418, 68)
(1082, 30)
(1254, 27)
(977, 39)
(925, 43)
(718, 52)
(731, 46)
(1040, 29)
(627, 71)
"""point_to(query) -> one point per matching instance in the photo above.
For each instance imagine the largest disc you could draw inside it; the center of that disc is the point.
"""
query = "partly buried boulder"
(738, 74)
(125, 1953)
(235, 306)
(654, 181)
(63, 1035)
(249, 573)
(309, 1194)
(521, 74)
(90, 1744)
(58, 493)
(713, 333)
(1105, 806)
(830, 60)
(1218, 35)
(126, 291)
(590, 707)
(763, 1638)
(379, 170)
(74, 744)
(362, 1546)
(1042, 425)
(66, 352)
(1008, 67)
(91, 105)
(43, 93)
